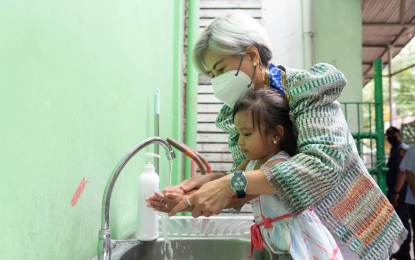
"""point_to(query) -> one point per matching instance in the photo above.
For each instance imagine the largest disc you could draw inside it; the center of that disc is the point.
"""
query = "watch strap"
(240, 194)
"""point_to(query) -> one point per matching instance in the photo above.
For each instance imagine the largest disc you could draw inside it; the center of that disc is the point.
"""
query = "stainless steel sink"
(199, 239)
(196, 249)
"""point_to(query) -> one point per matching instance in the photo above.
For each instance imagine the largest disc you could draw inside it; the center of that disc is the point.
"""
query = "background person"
(397, 186)
(408, 164)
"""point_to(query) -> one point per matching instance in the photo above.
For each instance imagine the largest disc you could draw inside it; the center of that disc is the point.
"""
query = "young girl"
(267, 137)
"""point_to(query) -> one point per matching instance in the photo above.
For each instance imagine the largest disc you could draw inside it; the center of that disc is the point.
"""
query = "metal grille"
(364, 125)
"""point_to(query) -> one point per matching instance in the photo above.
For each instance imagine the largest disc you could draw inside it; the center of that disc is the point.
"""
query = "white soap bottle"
(148, 219)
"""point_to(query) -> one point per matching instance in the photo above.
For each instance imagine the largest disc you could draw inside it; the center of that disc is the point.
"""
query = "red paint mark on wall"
(78, 192)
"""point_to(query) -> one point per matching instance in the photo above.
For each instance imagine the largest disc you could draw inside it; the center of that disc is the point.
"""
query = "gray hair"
(231, 34)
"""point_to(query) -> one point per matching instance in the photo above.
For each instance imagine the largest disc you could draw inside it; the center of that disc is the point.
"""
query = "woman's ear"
(252, 53)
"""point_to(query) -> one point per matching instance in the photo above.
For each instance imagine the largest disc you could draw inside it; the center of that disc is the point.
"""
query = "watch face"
(239, 182)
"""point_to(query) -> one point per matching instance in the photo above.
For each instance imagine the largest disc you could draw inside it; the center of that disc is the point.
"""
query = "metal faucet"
(105, 243)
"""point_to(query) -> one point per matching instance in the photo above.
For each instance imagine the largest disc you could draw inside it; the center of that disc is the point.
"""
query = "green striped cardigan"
(328, 172)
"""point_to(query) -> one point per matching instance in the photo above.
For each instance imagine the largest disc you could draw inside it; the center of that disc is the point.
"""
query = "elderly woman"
(327, 172)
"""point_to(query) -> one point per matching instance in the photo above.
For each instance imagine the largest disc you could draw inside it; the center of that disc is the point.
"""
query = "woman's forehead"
(210, 58)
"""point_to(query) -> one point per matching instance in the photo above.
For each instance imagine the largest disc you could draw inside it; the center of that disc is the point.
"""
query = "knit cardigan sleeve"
(322, 138)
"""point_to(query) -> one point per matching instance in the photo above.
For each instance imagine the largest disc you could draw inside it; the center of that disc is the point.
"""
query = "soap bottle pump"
(148, 219)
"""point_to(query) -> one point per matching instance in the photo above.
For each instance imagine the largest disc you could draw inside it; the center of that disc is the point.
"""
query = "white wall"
(284, 23)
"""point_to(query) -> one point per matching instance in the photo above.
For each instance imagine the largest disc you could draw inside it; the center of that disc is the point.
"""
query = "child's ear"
(279, 133)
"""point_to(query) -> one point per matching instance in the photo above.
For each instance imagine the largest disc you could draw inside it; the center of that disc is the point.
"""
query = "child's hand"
(164, 203)
(168, 190)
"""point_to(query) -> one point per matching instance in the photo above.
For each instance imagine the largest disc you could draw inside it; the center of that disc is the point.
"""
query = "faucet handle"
(114, 243)
(106, 244)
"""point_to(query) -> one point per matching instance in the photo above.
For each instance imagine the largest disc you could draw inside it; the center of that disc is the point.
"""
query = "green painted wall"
(76, 93)
(338, 40)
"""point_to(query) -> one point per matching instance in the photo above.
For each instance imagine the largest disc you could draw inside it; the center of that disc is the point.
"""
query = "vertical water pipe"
(177, 94)
(307, 19)
(192, 83)
(380, 141)
(156, 125)
(313, 56)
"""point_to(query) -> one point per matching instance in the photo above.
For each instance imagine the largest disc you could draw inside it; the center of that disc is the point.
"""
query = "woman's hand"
(212, 197)
(173, 189)
(193, 183)
(198, 181)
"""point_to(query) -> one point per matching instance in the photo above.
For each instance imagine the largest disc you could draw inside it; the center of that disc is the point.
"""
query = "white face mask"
(232, 86)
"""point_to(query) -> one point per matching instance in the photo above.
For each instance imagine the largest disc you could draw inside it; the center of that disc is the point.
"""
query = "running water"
(167, 242)
(170, 171)
(164, 223)
(165, 219)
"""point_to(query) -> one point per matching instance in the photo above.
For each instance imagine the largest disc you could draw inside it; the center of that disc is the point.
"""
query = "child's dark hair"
(270, 109)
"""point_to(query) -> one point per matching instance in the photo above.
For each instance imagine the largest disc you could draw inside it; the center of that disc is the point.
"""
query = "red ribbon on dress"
(268, 222)
(256, 237)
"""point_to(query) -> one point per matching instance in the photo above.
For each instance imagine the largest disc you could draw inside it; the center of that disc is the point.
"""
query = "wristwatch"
(238, 183)
(396, 192)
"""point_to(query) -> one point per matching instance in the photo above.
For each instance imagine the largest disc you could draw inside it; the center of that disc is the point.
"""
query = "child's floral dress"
(303, 237)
